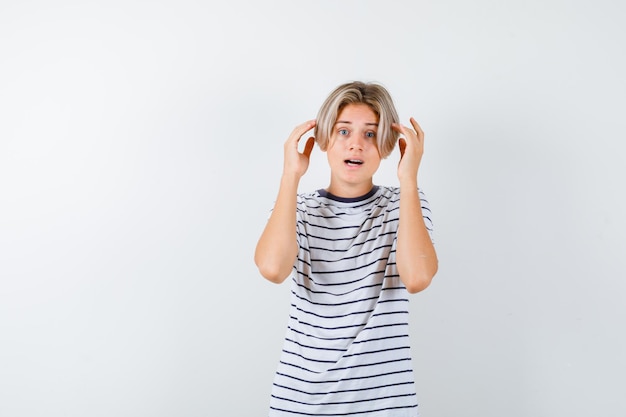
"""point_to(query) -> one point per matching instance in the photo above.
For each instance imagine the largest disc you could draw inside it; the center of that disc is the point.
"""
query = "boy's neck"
(349, 190)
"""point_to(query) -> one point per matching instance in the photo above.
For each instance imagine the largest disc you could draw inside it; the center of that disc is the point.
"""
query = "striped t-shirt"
(346, 349)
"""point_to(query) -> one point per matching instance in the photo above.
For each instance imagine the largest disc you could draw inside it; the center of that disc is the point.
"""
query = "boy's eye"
(343, 132)
(370, 135)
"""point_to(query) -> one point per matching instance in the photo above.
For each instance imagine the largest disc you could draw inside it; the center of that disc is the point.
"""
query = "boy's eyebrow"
(349, 122)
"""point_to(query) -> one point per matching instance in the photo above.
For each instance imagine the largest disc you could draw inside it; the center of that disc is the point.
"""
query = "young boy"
(354, 251)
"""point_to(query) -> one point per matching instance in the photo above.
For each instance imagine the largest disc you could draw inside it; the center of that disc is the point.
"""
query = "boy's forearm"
(277, 247)
(416, 258)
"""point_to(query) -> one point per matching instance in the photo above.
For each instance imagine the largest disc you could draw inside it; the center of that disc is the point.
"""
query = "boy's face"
(353, 152)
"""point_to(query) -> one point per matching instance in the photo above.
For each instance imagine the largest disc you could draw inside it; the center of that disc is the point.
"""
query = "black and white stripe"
(346, 349)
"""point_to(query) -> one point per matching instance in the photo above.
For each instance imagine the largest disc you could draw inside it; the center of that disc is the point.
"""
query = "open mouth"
(353, 162)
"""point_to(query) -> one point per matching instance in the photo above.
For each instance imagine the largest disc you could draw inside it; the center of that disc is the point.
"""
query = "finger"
(309, 146)
(296, 134)
(404, 130)
(416, 126)
(303, 128)
(399, 128)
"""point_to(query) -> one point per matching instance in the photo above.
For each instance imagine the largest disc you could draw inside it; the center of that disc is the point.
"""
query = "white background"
(140, 154)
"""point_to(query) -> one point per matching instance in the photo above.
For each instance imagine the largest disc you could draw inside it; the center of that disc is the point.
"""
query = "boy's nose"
(356, 144)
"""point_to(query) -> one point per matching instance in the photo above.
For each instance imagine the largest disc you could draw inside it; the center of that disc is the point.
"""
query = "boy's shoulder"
(388, 189)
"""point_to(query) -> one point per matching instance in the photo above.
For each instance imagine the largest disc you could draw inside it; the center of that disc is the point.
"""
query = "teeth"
(354, 161)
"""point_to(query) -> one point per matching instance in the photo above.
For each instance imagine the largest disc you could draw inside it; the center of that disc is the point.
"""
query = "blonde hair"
(356, 92)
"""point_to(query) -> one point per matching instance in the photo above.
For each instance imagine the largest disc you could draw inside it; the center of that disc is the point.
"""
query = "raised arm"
(416, 258)
(277, 247)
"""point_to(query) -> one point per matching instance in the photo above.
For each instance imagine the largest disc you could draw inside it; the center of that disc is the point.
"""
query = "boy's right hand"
(297, 163)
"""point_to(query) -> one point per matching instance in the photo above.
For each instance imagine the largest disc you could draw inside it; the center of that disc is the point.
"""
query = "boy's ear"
(308, 147)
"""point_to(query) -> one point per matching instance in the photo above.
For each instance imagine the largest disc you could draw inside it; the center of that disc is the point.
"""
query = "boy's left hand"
(411, 150)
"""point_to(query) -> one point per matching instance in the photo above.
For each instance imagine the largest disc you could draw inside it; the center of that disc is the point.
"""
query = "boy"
(354, 250)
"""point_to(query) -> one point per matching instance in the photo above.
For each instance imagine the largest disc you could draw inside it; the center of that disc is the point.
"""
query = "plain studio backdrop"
(141, 150)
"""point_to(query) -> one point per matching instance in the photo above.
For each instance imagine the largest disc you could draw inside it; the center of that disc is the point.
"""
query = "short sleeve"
(300, 227)
(427, 214)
